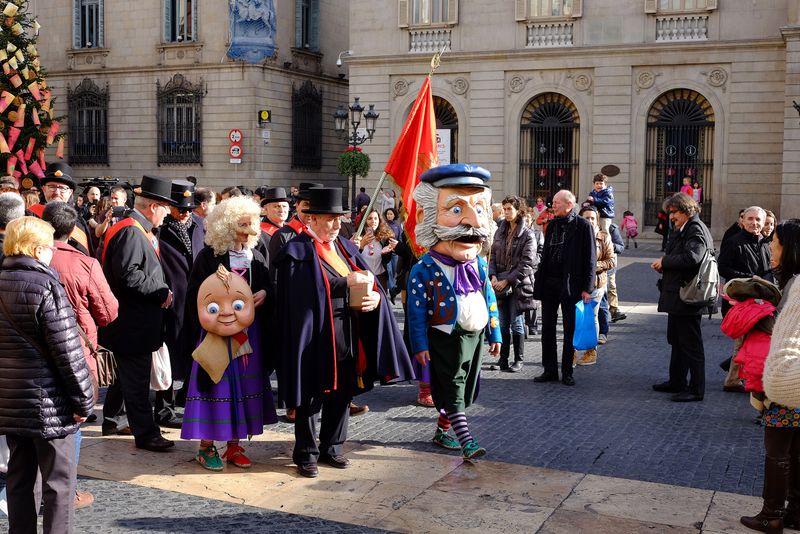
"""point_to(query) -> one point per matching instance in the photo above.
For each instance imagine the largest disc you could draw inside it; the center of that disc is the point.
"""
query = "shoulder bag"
(703, 288)
(106, 362)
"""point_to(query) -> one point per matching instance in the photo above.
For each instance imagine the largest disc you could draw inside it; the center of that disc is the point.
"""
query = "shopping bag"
(161, 371)
(585, 336)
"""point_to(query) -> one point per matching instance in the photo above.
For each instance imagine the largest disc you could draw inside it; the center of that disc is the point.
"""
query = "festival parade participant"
(450, 300)
(330, 345)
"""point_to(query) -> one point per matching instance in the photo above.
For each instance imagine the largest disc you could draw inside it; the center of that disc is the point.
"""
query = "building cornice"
(790, 33)
(567, 53)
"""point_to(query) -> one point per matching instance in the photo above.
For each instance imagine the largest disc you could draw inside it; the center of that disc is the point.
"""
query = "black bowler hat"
(58, 172)
(456, 175)
(182, 194)
(155, 187)
(305, 187)
(273, 194)
(325, 201)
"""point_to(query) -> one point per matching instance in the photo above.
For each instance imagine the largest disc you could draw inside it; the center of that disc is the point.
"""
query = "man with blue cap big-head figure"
(450, 302)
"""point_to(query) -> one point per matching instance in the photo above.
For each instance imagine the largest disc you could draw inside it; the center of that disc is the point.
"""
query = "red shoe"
(234, 454)
(425, 399)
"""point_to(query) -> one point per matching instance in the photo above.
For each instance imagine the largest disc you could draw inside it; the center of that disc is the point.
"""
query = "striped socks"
(459, 422)
(444, 422)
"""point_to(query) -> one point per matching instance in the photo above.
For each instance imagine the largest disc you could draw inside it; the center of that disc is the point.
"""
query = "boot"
(505, 350)
(767, 520)
(519, 344)
(792, 517)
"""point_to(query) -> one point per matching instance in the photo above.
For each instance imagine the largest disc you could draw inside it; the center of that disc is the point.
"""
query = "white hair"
(761, 211)
(12, 206)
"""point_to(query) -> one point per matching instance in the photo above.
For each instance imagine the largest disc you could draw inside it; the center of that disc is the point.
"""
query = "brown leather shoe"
(338, 461)
(156, 444)
(82, 499)
(356, 409)
(738, 388)
(308, 470)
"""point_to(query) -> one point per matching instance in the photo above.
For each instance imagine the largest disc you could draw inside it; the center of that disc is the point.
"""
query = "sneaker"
(209, 459)
(602, 339)
(444, 440)
(82, 499)
(473, 451)
(234, 454)
(425, 399)
(618, 316)
(589, 357)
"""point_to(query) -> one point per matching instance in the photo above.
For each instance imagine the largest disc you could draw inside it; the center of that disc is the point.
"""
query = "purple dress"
(238, 406)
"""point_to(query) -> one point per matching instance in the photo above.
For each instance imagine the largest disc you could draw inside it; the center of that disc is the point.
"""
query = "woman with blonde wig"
(240, 403)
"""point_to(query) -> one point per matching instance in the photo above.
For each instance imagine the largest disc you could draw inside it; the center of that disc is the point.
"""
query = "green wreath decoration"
(353, 162)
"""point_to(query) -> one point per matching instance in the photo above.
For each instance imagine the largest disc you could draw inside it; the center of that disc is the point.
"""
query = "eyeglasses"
(61, 188)
(184, 210)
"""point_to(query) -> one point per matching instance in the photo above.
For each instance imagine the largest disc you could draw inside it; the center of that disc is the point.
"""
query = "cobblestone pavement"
(611, 423)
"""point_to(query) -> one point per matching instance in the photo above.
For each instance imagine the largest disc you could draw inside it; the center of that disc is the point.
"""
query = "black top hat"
(274, 194)
(182, 194)
(58, 172)
(325, 201)
(155, 187)
(305, 187)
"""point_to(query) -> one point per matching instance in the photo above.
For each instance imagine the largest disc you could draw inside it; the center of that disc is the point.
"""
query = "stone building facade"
(155, 86)
(544, 93)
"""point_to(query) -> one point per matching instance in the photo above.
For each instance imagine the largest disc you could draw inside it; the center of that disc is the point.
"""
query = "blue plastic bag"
(585, 336)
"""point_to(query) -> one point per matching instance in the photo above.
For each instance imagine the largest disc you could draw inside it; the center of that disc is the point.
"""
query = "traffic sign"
(235, 136)
(235, 151)
(264, 117)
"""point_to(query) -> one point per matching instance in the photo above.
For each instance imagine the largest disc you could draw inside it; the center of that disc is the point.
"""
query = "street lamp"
(354, 138)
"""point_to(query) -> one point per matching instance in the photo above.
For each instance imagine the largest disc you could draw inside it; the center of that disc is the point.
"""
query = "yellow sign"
(264, 116)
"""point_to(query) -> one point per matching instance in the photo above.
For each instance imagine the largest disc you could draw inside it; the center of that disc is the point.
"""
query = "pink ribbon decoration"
(4, 145)
(6, 100)
(42, 164)
(51, 134)
(11, 164)
(37, 169)
(16, 81)
(13, 135)
(60, 149)
(33, 87)
(21, 160)
(29, 150)
(20, 122)
(17, 175)
(35, 116)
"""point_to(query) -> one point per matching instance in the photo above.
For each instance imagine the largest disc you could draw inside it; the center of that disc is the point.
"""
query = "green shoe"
(473, 451)
(209, 458)
(444, 440)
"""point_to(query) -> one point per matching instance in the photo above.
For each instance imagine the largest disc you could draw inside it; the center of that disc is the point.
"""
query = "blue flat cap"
(456, 174)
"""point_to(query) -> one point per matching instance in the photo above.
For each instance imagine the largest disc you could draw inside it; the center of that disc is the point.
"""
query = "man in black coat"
(133, 270)
(181, 240)
(565, 276)
(295, 225)
(685, 251)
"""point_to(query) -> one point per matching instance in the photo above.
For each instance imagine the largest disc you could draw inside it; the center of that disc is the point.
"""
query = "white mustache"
(451, 233)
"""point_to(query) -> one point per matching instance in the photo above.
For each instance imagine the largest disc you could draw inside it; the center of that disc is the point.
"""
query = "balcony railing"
(682, 28)
(430, 40)
(549, 34)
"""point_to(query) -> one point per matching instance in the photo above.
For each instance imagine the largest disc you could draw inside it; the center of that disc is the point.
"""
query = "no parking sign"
(235, 136)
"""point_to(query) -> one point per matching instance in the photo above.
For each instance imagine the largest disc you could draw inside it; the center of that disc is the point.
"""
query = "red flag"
(414, 153)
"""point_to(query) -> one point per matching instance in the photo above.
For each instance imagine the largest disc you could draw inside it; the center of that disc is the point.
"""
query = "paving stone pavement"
(611, 423)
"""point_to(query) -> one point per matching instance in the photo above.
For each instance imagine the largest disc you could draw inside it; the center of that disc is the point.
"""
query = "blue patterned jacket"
(431, 301)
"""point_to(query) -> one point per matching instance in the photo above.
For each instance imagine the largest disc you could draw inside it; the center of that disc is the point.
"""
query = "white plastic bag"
(4, 455)
(161, 371)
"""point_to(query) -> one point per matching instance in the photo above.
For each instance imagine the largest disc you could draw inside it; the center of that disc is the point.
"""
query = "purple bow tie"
(466, 279)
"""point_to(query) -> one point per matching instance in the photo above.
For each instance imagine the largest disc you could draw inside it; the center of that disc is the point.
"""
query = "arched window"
(549, 146)
(446, 129)
(180, 104)
(680, 145)
(88, 124)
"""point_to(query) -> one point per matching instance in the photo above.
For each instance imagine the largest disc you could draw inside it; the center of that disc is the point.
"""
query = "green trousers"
(455, 367)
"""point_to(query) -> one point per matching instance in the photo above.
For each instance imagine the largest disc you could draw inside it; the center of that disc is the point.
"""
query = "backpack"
(703, 288)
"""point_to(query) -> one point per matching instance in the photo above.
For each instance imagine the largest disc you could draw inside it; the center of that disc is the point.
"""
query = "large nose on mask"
(470, 217)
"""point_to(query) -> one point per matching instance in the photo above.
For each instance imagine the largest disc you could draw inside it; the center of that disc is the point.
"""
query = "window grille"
(179, 125)
(88, 124)
(306, 127)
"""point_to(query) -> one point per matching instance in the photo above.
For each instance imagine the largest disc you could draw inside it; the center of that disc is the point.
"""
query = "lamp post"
(354, 138)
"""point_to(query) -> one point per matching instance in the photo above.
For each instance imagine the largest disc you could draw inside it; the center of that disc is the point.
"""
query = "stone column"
(790, 189)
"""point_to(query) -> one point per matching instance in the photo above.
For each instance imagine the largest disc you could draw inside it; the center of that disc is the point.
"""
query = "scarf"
(466, 279)
(560, 230)
(182, 231)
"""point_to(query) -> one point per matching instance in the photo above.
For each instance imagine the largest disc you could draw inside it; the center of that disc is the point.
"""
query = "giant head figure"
(453, 210)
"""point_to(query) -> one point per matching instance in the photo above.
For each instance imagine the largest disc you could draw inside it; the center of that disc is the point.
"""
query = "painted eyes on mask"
(456, 210)
(238, 305)
(212, 308)
(479, 210)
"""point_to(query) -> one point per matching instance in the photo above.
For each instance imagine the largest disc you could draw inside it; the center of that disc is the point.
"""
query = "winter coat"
(681, 262)
(40, 391)
(88, 292)
(577, 274)
(744, 255)
(524, 260)
(603, 200)
(616, 239)
(782, 368)
(606, 258)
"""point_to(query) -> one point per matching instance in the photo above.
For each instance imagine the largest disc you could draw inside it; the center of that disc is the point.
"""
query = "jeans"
(391, 271)
(510, 317)
(604, 315)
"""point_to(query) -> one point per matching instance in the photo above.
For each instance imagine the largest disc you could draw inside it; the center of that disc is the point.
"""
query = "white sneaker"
(602, 339)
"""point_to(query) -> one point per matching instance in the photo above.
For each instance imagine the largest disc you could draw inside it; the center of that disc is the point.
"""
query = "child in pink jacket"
(631, 228)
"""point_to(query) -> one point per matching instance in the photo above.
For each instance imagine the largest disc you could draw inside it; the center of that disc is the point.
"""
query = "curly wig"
(222, 222)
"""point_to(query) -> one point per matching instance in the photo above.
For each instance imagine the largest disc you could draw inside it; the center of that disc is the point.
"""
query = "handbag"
(585, 336)
(703, 288)
(161, 370)
(106, 362)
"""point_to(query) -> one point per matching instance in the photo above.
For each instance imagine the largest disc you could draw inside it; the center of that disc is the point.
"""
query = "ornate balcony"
(682, 28)
(549, 34)
(429, 40)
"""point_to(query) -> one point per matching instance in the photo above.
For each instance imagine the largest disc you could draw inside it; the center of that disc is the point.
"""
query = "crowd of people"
(213, 278)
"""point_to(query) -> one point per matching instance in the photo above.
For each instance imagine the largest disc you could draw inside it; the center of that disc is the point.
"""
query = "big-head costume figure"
(450, 301)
